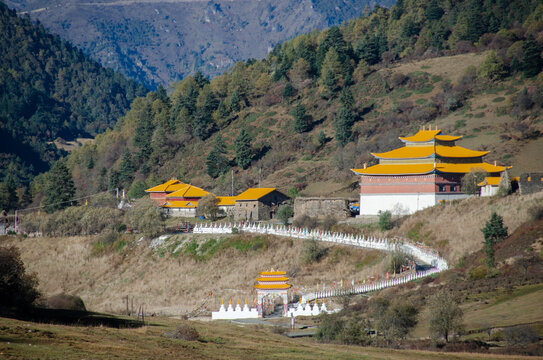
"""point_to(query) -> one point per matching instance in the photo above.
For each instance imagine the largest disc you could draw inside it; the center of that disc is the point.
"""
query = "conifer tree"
(532, 63)
(493, 232)
(287, 91)
(343, 124)
(59, 188)
(216, 163)
(234, 101)
(301, 120)
(113, 180)
(90, 163)
(242, 147)
(126, 170)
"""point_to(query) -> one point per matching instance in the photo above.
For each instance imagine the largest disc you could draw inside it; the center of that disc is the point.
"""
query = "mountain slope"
(48, 89)
(158, 42)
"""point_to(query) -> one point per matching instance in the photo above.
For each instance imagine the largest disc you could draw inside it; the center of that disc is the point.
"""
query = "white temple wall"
(397, 204)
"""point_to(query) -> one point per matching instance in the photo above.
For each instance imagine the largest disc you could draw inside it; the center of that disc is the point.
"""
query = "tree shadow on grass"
(69, 317)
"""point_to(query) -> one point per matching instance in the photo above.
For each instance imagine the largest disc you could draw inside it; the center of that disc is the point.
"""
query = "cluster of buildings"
(180, 199)
(427, 170)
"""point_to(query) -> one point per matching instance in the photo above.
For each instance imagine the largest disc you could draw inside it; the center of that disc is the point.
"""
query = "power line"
(64, 202)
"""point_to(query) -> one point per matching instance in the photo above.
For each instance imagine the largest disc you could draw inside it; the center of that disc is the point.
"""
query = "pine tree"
(242, 147)
(126, 170)
(343, 124)
(301, 120)
(493, 232)
(532, 63)
(59, 188)
(90, 163)
(433, 11)
(321, 138)
(11, 188)
(287, 91)
(216, 163)
(113, 180)
(234, 101)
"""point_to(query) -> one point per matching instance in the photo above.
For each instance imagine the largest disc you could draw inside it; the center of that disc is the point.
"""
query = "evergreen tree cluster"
(49, 89)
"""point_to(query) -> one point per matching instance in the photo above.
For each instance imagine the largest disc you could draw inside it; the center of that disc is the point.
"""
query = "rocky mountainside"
(158, 42)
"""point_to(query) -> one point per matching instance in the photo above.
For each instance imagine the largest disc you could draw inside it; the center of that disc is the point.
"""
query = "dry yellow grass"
(449, 67)
(175, 285)
(454, 228)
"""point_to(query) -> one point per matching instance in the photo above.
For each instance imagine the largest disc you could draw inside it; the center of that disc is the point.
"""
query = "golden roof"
(226, 200)
(417, 169)
(272, 273)
(427, 135)
(189, 191)
(180, 204)
(272, 286)
(408, 152)
(410, 169)
(265, 279)
(448, 137)
(490, 180)
(168, 186)
(254, 193)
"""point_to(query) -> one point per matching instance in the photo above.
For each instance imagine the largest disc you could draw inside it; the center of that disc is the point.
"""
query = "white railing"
(420, 252)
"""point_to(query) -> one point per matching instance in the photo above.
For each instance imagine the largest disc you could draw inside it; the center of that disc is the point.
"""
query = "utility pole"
(232, 193)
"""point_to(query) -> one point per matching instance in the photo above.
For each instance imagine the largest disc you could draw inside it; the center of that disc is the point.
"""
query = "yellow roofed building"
(258, 204)
(427, 170)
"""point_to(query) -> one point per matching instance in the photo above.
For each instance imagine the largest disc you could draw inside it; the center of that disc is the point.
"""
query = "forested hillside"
(49, 89)
(318, 104)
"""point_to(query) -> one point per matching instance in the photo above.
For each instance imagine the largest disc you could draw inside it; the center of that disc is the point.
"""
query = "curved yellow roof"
(180, 204)
(448, 137)
(168, 186)
(272, 286)
(410, 169)
(418, 169)
(414, 152)
(465, 168)
(421, 136)
(272, 273)
(254, 193)
(427, 135)
(264, 279)
(189, 191)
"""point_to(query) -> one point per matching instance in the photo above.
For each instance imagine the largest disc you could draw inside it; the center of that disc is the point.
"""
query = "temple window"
(442, 188)
(453, 188)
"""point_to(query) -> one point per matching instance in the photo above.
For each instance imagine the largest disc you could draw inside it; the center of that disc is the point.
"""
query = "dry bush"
(305, 221)
(186, 332)
(64, 302)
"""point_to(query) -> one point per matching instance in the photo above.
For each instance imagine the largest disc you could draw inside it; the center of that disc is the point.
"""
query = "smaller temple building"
(258, 204)
(272, 284)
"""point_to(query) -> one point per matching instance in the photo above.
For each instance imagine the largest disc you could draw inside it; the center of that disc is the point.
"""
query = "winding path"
(420, 252)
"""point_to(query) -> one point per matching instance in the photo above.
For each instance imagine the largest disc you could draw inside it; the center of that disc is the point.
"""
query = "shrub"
(520, 335)
(395, 262)
(186, 332)
(305, 221)
(145, 216)
(18, 288)
(65, 302)
(313, 251)
(328, 222)
(284, 213)
(385, 220)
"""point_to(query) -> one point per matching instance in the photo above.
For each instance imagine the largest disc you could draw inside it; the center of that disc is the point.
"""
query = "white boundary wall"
(420, 252)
